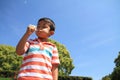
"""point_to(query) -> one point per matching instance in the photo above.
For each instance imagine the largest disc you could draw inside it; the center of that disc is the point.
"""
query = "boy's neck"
(43, 39)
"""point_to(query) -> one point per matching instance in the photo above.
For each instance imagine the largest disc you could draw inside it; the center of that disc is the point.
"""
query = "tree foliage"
(117, 61)
(115, 75)
(106, 78)
(10, 62)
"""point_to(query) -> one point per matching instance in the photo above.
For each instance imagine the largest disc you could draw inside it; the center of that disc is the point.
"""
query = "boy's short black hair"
(52, 24)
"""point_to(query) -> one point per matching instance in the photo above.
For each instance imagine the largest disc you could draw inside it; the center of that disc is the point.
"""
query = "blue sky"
(88, 28)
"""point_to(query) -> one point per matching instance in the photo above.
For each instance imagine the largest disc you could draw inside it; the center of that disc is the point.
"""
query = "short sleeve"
(55, 56)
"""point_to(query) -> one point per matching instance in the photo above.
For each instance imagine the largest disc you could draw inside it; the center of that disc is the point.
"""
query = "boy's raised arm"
(21, 44)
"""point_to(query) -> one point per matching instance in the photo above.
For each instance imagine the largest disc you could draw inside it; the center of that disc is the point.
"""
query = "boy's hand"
(30, 29)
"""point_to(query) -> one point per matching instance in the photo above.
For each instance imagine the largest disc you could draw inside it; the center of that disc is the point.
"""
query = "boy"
(41, 58)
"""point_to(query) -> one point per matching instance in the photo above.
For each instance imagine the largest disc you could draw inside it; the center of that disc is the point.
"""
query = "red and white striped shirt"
(38, 60)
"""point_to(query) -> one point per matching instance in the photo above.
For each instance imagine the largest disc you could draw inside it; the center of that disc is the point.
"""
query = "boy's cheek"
(45, 30)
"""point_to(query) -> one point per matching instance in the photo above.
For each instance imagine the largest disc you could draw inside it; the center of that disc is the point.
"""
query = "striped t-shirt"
(38, 60)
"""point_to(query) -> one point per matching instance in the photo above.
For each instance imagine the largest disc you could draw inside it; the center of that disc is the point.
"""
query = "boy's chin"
(43, 37)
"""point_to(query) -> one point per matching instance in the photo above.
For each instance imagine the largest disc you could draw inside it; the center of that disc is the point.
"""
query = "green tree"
(117, 61)
(106, 78)
(116, 73)
(10, 61)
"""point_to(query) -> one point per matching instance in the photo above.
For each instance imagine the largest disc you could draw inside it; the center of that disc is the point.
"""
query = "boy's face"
(43, 30)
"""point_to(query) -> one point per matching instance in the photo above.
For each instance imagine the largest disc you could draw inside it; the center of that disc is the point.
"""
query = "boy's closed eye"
(41, 27)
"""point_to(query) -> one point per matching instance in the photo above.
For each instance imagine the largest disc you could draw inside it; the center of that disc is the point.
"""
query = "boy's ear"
(51, 33)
